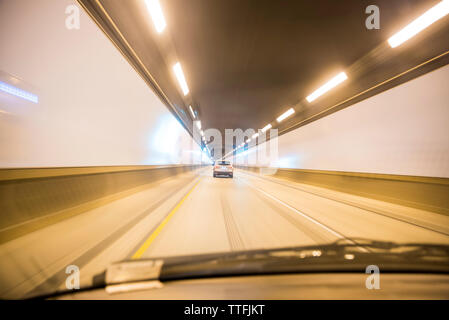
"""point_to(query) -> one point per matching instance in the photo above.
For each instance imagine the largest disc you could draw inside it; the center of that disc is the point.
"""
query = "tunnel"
(209, 136)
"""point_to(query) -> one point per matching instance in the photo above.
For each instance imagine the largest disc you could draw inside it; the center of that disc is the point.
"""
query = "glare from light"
(156, 14)
(267, 127)
(248, 140)
(202, 133)
(430, 16)
(198, 124)
(288, 161)
(332, 83)
(285, 115)
(164, 140)
(18, 92)
(181, 79)
(255, 135)
(191, 111)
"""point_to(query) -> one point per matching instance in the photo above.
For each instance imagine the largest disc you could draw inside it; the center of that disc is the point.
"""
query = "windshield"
(228, 137)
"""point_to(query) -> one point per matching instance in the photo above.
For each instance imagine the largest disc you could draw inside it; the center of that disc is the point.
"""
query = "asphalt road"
(196, 213)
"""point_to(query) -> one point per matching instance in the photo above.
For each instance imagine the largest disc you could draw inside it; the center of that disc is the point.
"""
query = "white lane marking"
(335, 233)
(348, 203)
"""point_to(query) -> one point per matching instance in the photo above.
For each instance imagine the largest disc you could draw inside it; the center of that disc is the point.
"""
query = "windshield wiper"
(337, 257)
(341, 256)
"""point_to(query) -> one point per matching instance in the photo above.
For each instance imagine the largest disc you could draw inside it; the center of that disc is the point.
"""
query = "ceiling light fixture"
(267, 127)
(332, 83)
(285, 115)
(156, 14)
(430, 16)
(191, 111)
(181, 79)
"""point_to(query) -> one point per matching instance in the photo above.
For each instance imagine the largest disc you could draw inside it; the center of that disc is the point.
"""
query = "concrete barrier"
(34, 198)
(426, 193)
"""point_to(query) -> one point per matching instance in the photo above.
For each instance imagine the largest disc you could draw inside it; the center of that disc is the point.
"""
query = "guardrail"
(426, 193)
(33, 198)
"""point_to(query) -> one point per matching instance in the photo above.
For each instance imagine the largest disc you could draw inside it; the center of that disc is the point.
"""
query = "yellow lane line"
(158, 230)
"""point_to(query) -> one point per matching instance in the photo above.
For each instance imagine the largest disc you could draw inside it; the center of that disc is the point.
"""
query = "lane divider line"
(348, 203)
(138, 254)
(335, 233)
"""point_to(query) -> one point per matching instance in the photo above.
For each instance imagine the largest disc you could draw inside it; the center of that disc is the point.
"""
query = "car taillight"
(216, 167)
(229, 167)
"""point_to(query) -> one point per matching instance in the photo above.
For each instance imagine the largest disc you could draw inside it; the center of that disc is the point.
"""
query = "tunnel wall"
(393, 147)
(402, 131)
(98, 132)
(93, 109)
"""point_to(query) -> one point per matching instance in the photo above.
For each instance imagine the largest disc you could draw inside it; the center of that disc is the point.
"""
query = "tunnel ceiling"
(247, 61)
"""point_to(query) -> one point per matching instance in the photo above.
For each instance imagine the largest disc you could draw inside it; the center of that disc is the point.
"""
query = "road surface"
(195, 213)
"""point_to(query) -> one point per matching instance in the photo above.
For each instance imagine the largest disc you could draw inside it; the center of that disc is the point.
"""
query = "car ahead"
(223, 168)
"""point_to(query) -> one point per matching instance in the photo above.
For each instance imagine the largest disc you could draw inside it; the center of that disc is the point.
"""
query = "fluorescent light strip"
(156, 14)
(332, 83)
(18, 92)
(285, 115)
(430, 16)
(202, 133)
(267, 127)
(255, 135)
(198, 124)
(181, 79)
(191, 111)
